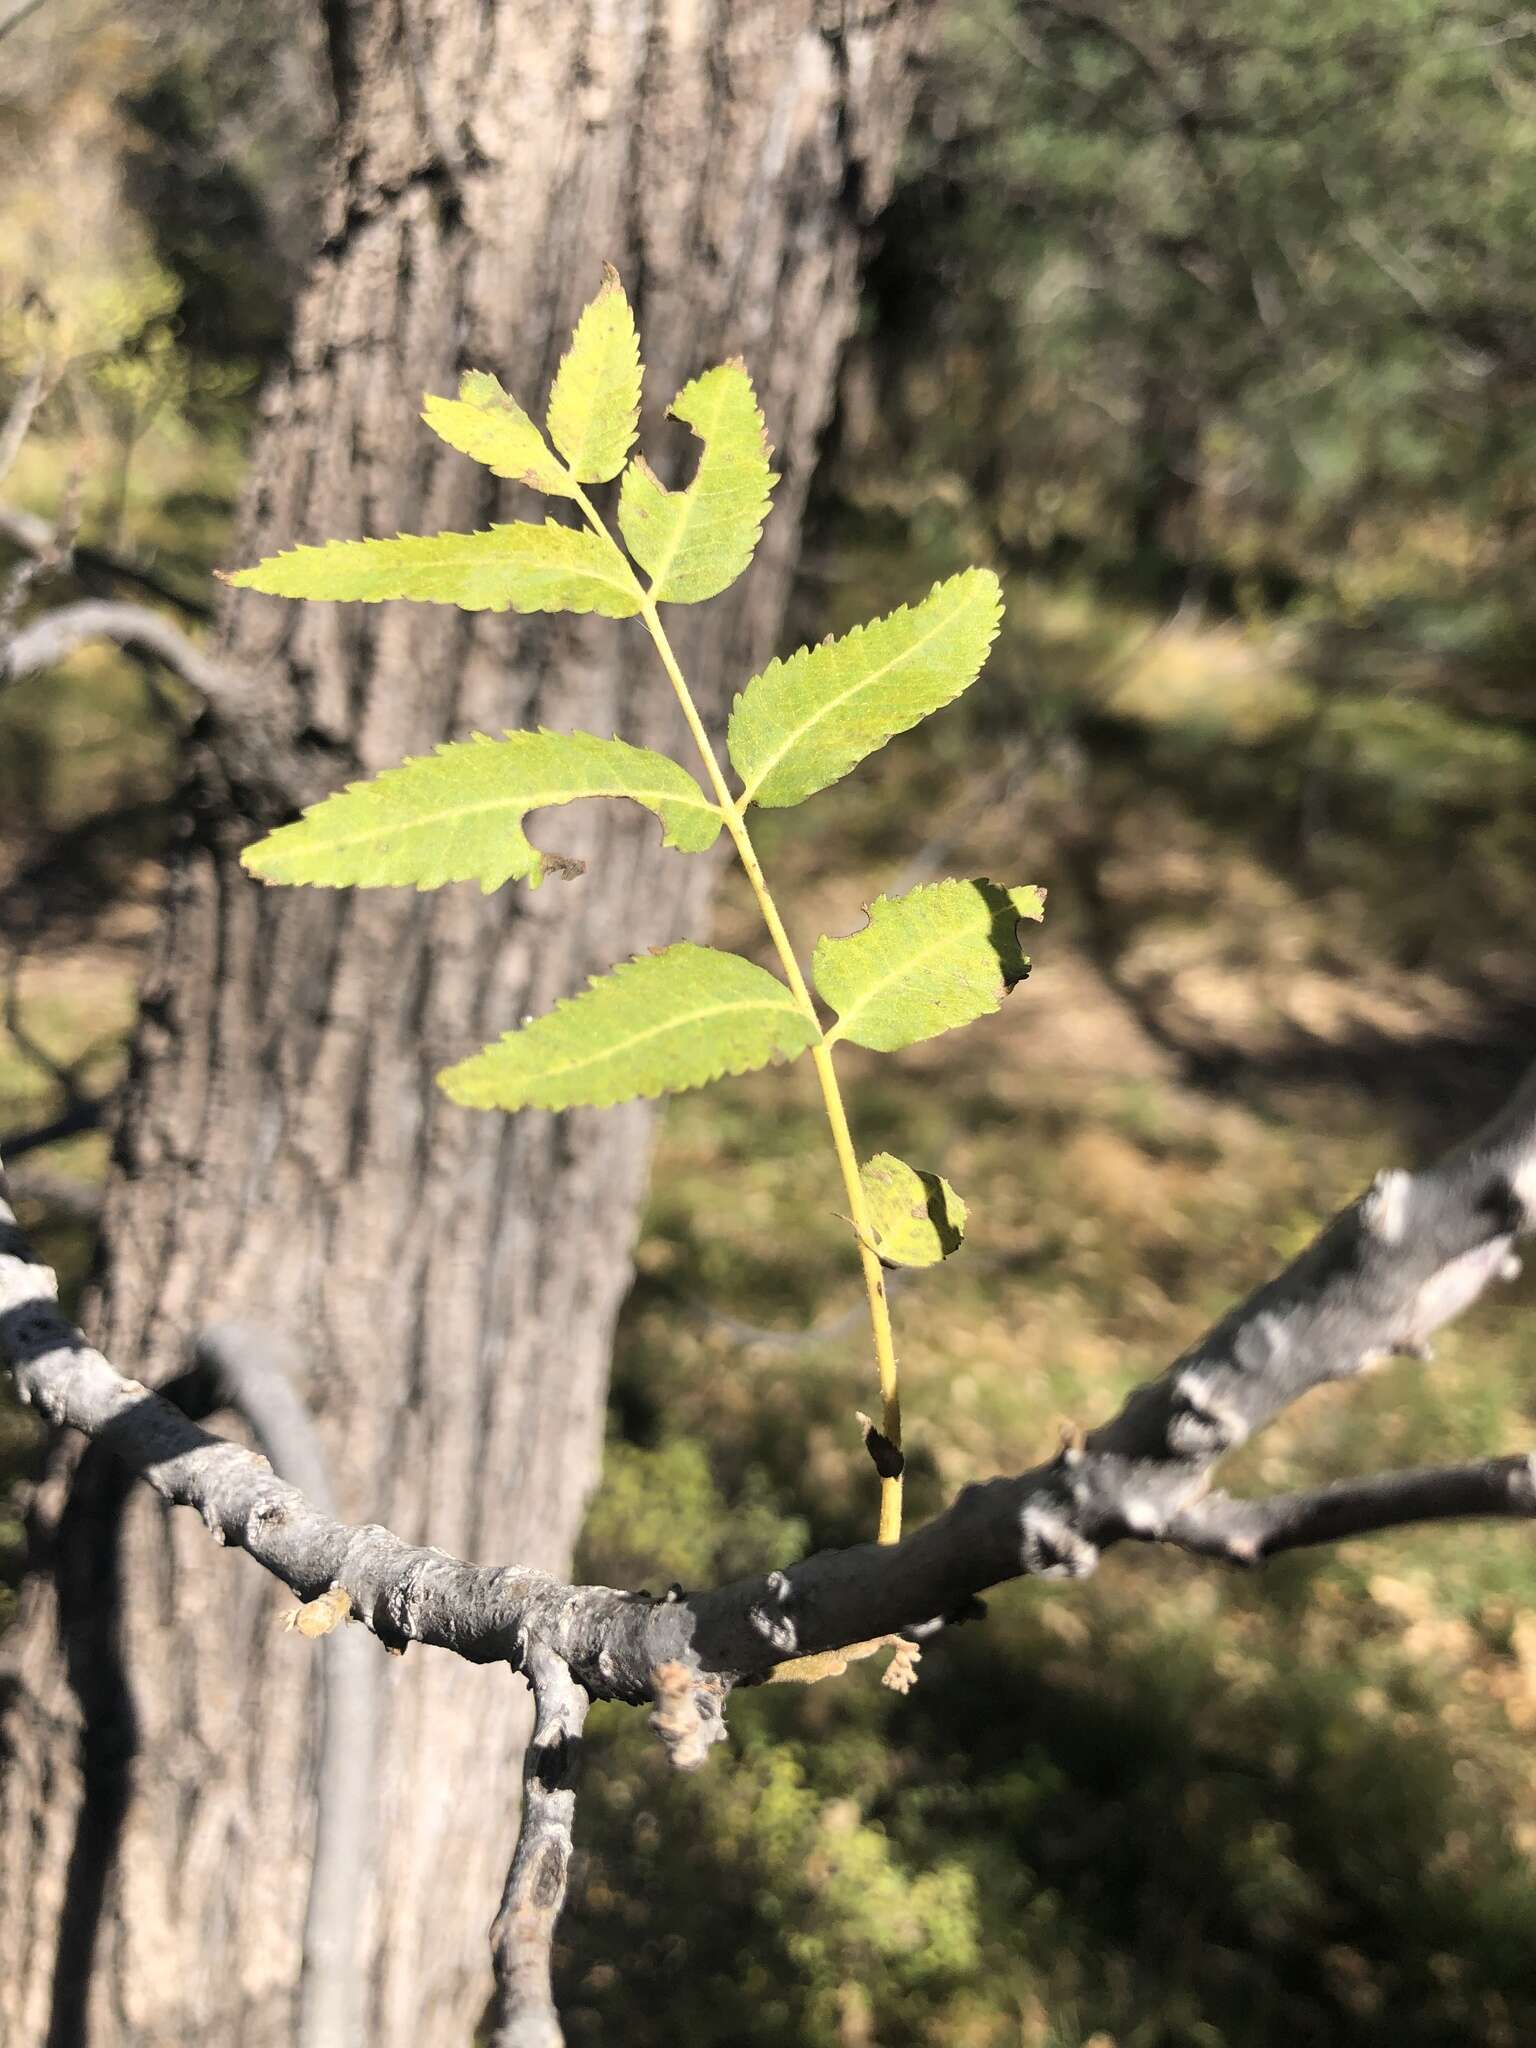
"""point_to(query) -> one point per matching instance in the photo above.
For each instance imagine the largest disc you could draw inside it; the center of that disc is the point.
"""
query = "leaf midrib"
(503, 803)
(687, 499)
(786, 1008)
(609, 346)
(908, 963)
(493, 420)
(599, 566)
(515, 546)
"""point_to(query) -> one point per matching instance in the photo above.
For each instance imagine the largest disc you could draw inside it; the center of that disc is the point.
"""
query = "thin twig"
(1409, 1256)
(32, 535)
(522, 1936)
(18, 15)
(1248, 1531)
(87, 1114)
(49, 639)
(18, 419)
(81, 1110)
(57, 1193)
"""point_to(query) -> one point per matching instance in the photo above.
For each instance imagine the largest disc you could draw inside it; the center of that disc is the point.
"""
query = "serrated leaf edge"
(614, 574)
(838, 1031)
(823, 710)
(556, 860)
(611, 283)
(555, 483)
(701, 435)
(626, 1045)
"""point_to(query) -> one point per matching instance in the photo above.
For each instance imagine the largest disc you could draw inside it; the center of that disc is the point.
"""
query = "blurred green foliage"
(1213, 333)
(1210, 329)
(1254, 296)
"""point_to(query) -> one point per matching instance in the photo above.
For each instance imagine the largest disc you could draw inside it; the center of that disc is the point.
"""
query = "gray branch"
(1248, 1531)
(1412, 1253)
(29, 393)
(18, 15)
(522, 1935)
(245, 723)
(48, 545)
(27, 531)
(134, 626)
(78, 1200)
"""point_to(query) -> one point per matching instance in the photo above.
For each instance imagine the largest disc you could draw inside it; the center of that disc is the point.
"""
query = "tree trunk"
(451, 1278)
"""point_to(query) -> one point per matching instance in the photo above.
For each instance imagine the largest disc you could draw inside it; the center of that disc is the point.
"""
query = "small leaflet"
(805, 722)
(487, 424)
(521, 568)
(916, 1218)
(926, 962)
(594, 405)
(695, 543)
(457, 815)
(660, 1023)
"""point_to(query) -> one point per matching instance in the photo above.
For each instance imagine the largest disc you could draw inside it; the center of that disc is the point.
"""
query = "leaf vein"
(864, 682)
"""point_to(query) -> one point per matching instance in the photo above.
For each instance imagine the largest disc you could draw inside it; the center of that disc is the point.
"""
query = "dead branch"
(33, 535)
(1411, 1254)
(134, 627)
(522, 1935)
(1395, 1266)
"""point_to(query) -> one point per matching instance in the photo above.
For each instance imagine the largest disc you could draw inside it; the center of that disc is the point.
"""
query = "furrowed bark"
(450, 1278)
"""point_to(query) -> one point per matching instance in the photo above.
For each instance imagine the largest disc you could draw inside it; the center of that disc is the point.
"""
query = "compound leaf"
(805, 722)
(594, 403)
(926, 962)
(488, 423)
(695, 543)
(916, 1218)
(659, 1023)
(457, 815)
(523, 568)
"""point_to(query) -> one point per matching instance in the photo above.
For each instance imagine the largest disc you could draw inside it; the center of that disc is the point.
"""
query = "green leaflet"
(521, 568)
(594, 404)
(457, 815)
(488, 423)
(659, 1023)
(926, 962)
(695, 543)
(803, 723)
(916, 1218)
